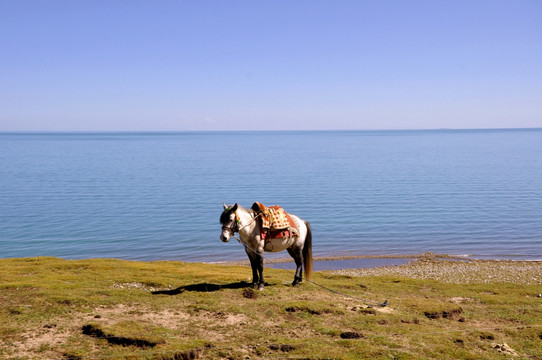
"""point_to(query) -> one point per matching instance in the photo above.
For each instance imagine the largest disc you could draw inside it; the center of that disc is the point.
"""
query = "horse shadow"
(203, 287)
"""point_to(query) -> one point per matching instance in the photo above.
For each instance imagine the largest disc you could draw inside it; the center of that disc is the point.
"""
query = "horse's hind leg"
(297, 254)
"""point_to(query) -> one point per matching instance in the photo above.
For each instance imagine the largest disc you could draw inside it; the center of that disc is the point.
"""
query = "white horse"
(238, 219)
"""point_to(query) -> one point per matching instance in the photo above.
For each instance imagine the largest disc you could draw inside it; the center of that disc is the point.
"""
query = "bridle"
(235, 227)
(236, 222)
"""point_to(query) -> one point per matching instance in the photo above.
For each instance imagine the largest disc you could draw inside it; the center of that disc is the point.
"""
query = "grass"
(111, 309)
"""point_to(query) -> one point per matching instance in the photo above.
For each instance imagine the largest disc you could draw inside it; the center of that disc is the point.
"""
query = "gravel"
(460, 271)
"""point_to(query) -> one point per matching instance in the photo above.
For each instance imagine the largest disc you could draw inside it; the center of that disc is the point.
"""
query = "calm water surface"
(159, 195)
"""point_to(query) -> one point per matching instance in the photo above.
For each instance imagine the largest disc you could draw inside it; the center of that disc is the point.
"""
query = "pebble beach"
(459, 271)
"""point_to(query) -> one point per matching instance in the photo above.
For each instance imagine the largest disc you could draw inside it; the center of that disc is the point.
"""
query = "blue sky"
(269, 65)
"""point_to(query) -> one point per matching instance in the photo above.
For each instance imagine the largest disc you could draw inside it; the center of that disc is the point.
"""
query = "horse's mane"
(225, 216)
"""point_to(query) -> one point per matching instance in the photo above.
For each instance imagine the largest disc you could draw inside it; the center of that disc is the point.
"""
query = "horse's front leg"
(257, 254)
(253, 257)
(256, 262)
(259, 259)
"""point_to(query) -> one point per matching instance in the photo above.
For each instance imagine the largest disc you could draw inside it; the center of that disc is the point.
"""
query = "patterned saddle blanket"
(274, 222)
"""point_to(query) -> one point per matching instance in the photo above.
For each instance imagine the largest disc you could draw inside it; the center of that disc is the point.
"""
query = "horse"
(236, 219)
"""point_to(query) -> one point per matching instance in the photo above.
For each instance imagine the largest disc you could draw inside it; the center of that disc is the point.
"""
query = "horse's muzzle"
(225, 238)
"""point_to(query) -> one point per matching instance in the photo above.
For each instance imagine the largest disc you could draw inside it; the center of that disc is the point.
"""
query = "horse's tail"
(307, 252)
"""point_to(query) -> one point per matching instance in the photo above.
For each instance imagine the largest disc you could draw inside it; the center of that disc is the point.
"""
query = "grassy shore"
(111, 309)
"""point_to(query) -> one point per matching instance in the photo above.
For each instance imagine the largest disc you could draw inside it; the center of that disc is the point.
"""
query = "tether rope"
(363, 301)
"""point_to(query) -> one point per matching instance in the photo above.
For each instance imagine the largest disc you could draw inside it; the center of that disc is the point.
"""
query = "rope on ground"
(363, 301)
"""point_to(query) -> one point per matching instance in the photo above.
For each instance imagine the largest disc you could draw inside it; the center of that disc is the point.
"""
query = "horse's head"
(228, 219)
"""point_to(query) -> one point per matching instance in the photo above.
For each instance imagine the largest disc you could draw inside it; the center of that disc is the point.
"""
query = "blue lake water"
(150, 196)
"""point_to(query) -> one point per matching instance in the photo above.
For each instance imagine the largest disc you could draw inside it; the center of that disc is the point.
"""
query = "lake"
(154, 196)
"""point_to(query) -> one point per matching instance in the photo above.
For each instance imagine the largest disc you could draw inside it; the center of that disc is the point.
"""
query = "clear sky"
(117, 65)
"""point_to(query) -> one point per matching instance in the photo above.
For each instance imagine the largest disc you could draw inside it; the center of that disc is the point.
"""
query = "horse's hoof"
(295, 284)
(260, 287)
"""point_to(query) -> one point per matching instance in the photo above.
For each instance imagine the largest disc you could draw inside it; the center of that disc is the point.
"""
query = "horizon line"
(252, 131)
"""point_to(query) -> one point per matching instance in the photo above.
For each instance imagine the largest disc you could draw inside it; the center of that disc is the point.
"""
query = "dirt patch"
(184, 355)
(283, 347)
(103, 312)
(250, 294)
(351, 335)
(307, 310)
(487, 337)
(368, 311)
(229, 319)
(461, 300)
(50, 335)
(166, 318)
(202, 323)
(504, 348)
(452, 314)
(72, 357)
(385, 310)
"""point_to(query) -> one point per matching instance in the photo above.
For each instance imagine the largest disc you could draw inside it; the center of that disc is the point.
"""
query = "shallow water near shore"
(151, 196)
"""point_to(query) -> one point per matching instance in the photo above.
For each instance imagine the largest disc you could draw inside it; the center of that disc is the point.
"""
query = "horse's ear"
(234, 208)
(225, 206)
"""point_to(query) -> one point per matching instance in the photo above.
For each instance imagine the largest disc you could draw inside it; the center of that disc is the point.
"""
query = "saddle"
(274, 222)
